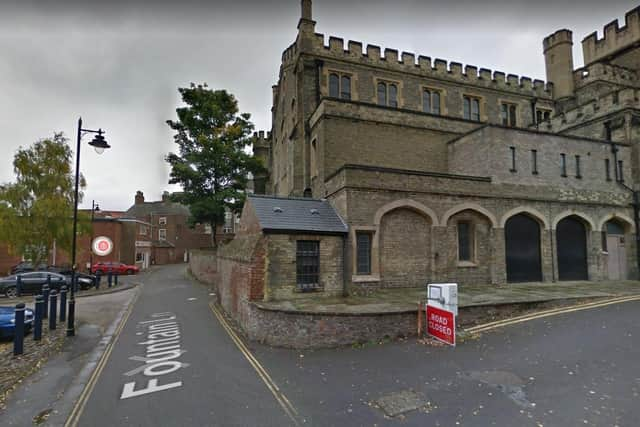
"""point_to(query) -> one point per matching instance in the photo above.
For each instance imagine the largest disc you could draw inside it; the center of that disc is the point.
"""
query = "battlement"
(602, 71)
(614, 39)
(559, 37)
(423, 65)
(624, 98)
(261, 140)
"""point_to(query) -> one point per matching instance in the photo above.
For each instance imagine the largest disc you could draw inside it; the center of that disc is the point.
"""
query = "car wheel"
(11, 292)
(129, 272)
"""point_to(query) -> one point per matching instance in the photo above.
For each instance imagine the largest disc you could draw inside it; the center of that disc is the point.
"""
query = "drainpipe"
(344, 265)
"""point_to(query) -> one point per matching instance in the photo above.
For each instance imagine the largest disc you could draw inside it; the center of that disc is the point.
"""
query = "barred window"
(363, 244)
(465, 241)
(307, 264)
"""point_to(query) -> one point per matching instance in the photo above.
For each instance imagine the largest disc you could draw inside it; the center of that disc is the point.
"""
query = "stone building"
(445, 172)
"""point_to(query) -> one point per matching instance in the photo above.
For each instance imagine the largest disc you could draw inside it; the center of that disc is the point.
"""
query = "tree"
(212, 164)
(37, 209)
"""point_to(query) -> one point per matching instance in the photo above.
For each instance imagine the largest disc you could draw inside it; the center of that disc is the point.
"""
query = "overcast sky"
(118, 64)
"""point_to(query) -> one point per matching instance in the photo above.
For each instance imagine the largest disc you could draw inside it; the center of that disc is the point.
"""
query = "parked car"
(26, 266)
(8, 321)
(85, 281)
(113, 267)
(33, 281)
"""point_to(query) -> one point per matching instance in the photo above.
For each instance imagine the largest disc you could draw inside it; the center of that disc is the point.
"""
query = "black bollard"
(52, 309)
(18, 330)
(71, 326)
(115, 280)
(63, 303)
(19, 285)
(45, 294)
(110, 279)
(97, 279)
(37, 320)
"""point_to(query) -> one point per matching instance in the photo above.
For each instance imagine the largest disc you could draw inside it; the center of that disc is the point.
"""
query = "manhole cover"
(400, 402)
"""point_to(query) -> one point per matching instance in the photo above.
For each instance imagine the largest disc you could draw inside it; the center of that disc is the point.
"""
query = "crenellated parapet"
(455, 72)
(600, 107)
(615, 38)
(602, 71)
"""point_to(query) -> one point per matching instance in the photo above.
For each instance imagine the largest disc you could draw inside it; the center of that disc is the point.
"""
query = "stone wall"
(281, 269)
(203, 264)
(309, 330)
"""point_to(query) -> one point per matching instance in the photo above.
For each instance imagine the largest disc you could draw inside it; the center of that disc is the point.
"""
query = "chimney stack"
(139, 197)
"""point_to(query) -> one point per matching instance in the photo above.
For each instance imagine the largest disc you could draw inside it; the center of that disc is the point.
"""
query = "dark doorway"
(522, 244)
(571, 236)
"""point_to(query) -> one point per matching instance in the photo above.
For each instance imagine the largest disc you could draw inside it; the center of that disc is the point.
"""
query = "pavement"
(172, 361)
(406, 299)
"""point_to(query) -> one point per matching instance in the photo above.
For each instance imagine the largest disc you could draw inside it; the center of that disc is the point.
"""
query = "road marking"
(76, 412)
(552, 312)
(286, 405)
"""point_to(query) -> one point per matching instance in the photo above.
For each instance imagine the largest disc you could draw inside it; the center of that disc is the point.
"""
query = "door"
(522, 245)
(571, 236)
(617, 263)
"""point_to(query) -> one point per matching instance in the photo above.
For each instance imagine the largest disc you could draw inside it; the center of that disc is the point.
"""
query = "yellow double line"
(74, 416)
(551, 312)
(286, 405)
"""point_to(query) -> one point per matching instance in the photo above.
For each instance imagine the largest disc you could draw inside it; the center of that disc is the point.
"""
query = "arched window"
(334, 85)
(393, 95)
(345, 87)
(382, 94)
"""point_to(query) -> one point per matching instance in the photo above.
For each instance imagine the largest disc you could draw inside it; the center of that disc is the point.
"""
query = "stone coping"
(405, 300)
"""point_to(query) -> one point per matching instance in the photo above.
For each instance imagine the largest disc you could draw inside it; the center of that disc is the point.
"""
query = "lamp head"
(99, 143)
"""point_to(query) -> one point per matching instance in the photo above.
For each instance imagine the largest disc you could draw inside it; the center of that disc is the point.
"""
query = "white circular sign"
(102, 246)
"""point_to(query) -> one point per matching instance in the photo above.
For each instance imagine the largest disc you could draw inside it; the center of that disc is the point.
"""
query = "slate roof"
(297, 215)
(157, 208)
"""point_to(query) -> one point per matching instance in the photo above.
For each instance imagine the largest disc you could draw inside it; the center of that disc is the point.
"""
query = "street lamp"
(94, 208)
(100, 145)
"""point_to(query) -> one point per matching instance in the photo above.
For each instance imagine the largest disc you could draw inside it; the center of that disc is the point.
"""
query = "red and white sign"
(102, 246)
(441, 324)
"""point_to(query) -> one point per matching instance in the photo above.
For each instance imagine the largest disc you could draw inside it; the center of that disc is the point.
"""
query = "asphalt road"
(217, 385)
(573, 369)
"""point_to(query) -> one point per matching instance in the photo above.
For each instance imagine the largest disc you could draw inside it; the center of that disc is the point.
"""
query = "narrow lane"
(180, 365)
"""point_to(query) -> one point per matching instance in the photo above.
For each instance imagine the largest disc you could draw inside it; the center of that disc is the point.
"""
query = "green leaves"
(212, 163)
(38, 208)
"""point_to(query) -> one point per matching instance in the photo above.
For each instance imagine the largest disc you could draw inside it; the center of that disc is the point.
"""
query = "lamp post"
(100, 145)
(94, 208)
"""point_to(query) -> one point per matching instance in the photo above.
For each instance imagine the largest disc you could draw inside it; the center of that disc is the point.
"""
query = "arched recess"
(586, 218)
(472, 207)
(408, 204)
(571, 244)
(522, 236)
(620, 217)
(537, 215)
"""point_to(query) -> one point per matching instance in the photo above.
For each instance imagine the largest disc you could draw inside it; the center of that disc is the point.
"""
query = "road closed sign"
(441, 324)
(102, 246)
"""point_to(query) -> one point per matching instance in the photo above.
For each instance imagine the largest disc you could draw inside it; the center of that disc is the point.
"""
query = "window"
(339, 86)
(139, 257)
(143, 230)
(307, 264)
(578, 174)
(508, 114)
(534, 162)
(542, 115)
(471, 108)
(363, 245)
(603, 234)
(465, 241)
(607, 169)
(208, 229)
(388, 94)
(431, 101)
(162, 220)
(620, 171)
(162, 234)
(563, 164)
(513, 159)
(228, 222)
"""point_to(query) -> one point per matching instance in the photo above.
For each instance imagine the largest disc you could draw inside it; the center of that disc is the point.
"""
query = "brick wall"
(203, 264)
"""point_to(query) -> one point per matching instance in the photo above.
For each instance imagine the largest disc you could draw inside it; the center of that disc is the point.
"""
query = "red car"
(113, 267)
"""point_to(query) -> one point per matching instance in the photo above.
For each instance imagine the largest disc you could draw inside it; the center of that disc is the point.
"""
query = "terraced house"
(445, 172)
